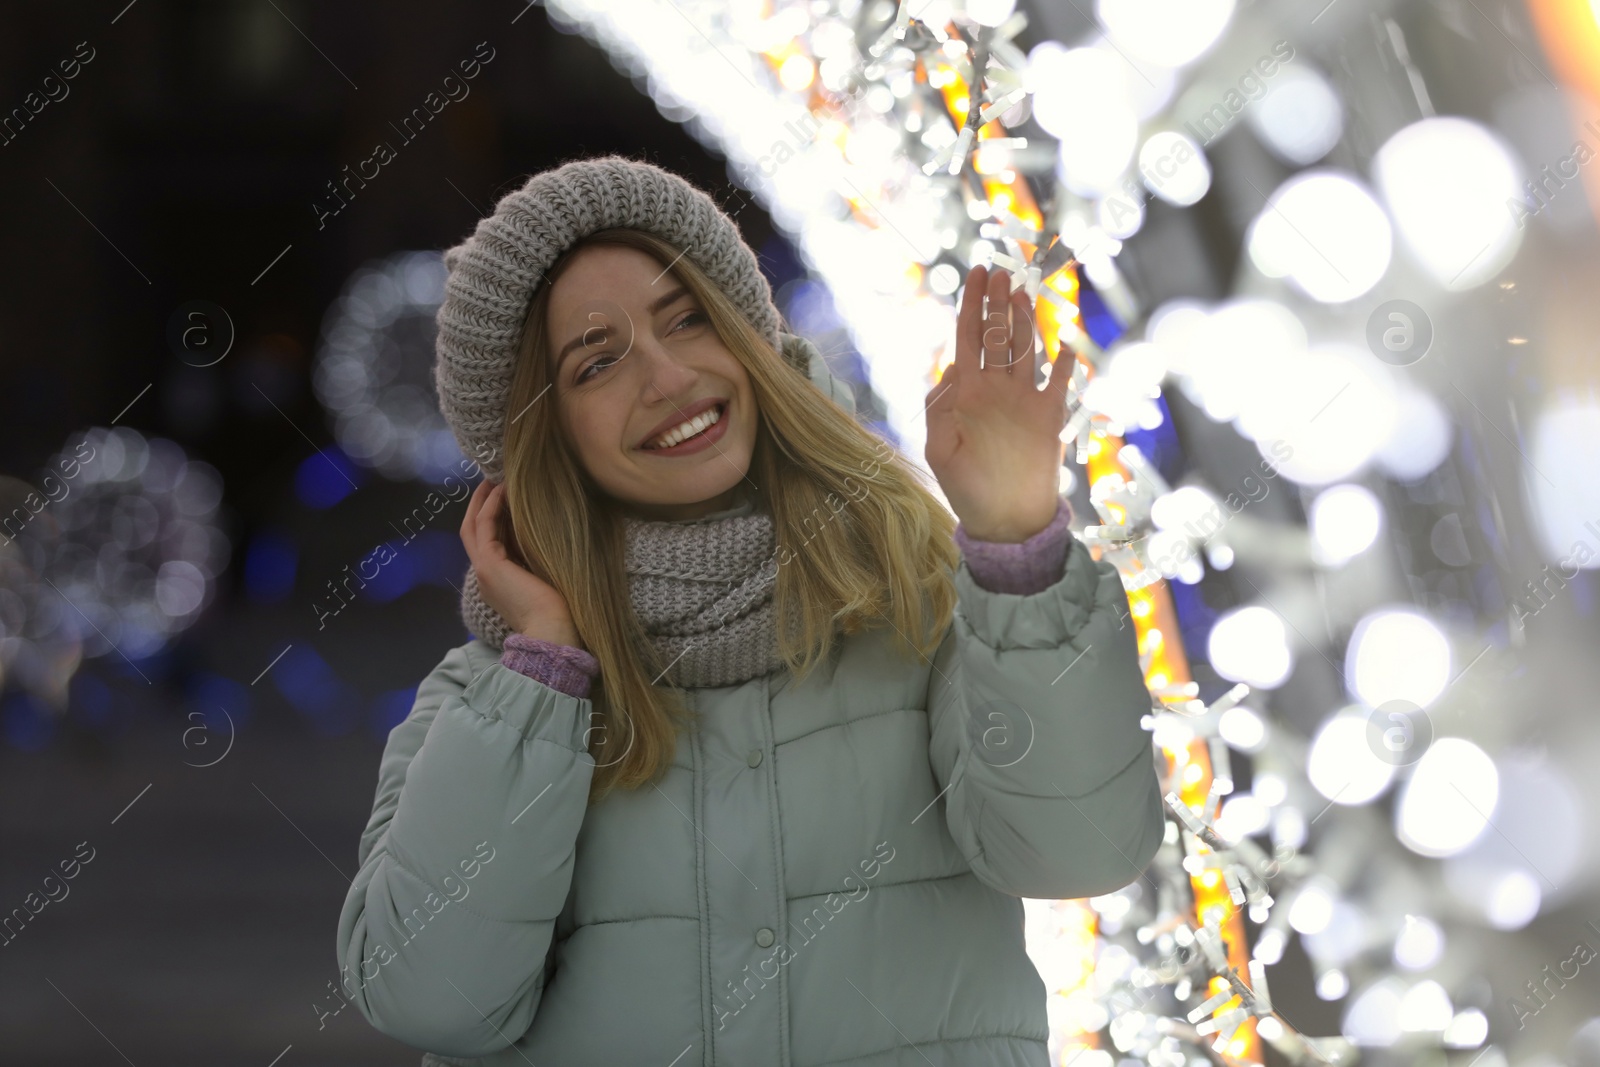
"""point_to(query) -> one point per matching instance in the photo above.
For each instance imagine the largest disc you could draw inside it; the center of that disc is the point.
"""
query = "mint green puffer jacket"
(828, 873)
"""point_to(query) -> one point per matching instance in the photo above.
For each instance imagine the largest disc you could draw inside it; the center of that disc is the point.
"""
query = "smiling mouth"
(688, 431)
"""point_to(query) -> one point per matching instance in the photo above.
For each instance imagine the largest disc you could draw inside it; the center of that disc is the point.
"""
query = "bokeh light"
(1324, 232)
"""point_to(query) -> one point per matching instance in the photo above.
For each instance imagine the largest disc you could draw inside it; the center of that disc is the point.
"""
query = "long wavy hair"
(861, 540)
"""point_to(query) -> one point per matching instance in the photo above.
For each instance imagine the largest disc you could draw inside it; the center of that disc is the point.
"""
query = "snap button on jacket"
(850, 900)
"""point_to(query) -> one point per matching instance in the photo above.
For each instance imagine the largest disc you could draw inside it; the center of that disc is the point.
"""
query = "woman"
(648, 817)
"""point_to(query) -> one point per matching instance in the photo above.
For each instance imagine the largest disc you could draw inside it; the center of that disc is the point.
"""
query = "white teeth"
(687, 430)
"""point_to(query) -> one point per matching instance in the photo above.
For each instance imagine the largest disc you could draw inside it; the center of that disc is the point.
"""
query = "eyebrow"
(653, 307)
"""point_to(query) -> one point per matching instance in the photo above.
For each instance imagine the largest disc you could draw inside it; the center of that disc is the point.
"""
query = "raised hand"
(994, 441)
(530, 604)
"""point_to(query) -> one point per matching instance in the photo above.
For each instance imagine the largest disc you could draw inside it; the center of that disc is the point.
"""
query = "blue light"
(26, 722)
(392, 579)
(1160, 445)
(811, 308)
(308, 683)
(1098, 321)
(325, 477)
(431, 556)
(441, 558)
(210, 694)
(269, 566)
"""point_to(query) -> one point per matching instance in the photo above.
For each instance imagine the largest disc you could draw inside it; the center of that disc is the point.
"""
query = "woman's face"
(634, 356)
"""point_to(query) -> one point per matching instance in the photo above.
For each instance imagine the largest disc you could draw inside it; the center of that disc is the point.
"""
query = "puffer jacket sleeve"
(1035, 703)
(467, 858)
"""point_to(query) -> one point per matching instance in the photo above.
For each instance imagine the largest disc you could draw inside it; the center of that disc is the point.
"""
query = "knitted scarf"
(703, 590)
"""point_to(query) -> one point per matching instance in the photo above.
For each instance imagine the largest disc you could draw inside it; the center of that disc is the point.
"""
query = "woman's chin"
(683, 501)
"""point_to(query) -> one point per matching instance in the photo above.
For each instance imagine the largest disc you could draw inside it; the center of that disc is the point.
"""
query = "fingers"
(996, 328)
(488, 522)
(1061, 369)
(969, 320)
(469, 523)
(472, 505)
(1022, 336)
(997, 321)
(478, 525)
(994, 324)
(1009, 332)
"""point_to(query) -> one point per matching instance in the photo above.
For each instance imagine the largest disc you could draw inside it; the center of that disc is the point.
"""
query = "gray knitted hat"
(491, 282)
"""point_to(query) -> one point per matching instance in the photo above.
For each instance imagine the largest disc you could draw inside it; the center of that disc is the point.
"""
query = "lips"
(681, 416)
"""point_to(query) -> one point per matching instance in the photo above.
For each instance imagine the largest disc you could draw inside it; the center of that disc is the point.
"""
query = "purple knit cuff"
(561, 667)
(1030, 567)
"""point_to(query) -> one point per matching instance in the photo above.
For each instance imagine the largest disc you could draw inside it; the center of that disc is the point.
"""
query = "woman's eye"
(584, 374)
(693, 318)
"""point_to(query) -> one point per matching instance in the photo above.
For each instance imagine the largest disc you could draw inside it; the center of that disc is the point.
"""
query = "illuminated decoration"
(887, 140)
(1344, 521)
(1447, 182)
(1167, 32)
(1202, 953)
(122, 557)
(374, 368)
(1326, 234)
(1300, 118)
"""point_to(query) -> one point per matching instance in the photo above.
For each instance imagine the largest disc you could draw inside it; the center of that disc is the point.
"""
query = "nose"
(665, 376)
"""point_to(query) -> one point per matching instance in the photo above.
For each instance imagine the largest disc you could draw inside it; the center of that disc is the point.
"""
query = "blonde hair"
(861, 540)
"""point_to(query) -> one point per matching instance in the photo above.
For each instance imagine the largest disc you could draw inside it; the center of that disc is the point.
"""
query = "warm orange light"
(1569, 31)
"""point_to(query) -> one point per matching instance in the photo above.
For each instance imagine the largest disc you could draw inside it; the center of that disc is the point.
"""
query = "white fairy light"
(373, 370)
